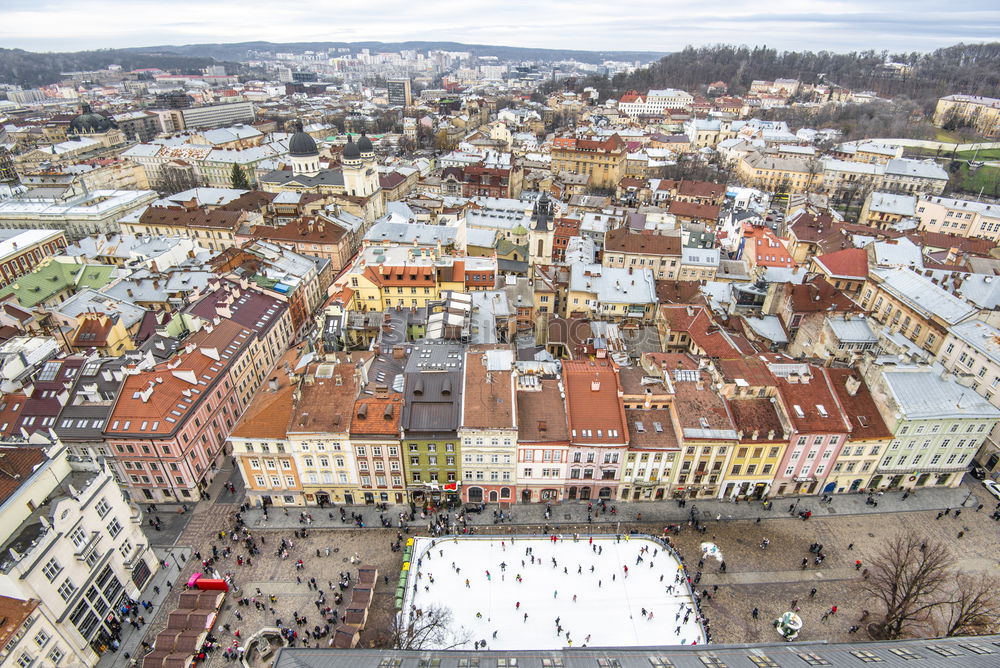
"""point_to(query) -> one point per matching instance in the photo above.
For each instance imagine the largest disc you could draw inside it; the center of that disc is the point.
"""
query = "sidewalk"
(667, 511)
(131, 637)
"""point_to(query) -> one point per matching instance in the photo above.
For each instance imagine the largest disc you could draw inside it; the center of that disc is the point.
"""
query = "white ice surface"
(611, 614)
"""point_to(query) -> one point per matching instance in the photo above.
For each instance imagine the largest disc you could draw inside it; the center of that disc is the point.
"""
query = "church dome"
(302, 145)
(351, 150)
(90, 122)
(365, 145)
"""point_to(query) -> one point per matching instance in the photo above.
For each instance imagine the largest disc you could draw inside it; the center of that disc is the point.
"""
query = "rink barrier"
(404, 574)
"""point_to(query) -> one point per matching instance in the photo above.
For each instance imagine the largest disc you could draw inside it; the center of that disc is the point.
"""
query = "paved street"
(575, 512)
(769, 580)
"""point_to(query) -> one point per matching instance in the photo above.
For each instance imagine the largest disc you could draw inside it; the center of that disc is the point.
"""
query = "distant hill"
(30, 69)
(240, 50)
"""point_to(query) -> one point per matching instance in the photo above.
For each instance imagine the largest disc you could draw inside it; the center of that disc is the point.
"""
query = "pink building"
(598, 432)
(170, 422)
(818, 431)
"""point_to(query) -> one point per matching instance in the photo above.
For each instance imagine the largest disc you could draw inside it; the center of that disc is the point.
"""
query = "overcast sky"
(654, 25)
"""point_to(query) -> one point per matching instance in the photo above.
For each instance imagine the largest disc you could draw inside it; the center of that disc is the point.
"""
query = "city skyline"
(837, 25)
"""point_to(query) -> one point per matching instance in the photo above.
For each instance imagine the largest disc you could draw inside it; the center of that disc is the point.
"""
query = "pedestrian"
(850, 546)
(833, 610)
(961, 533)
(812, 593)
(755, 613)
(857, 564)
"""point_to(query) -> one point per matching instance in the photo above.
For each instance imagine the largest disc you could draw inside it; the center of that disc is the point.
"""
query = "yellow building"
(604, 161)
(779, 174)
(904, 301)
(965, 218)
(762, 441)
(979, 113)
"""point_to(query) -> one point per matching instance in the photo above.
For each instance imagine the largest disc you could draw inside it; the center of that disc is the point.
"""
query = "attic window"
(639, 427)
(798, 411)
(822, 410)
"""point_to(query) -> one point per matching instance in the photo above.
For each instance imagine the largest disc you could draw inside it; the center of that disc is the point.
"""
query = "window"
(56, 655)
(51, 569)
(66, 589)
(102, 507)
(866, 656)
(115, 527)
(24, 661)
(943, 650)
(905, 654)
(41, 638)
(976, 648)
(763, 661)
(813, 659)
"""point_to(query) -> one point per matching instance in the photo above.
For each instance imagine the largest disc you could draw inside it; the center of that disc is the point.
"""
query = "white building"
(655, 102)
(74, 549)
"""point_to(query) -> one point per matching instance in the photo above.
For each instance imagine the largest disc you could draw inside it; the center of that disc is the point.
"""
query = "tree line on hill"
(972, 69)
(30, 69)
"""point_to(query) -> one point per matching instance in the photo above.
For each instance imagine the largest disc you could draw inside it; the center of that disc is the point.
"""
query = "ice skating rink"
(609, 601)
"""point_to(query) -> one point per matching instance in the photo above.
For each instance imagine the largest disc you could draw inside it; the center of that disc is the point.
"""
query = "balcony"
(135, 556)
(84, 551)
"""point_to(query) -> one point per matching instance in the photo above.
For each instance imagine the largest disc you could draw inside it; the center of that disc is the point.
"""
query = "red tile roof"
(542, 415)
(174, 389)
(652, 429)
(16, 465)
(756, 414)
(861, 409)
(850, 263)
(594, 409)
(487, 396)
(812, 397)
(622, 240)
(817, 294)
(694, 210)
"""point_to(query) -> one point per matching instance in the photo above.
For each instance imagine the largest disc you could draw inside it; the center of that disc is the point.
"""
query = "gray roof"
(283, 177)
(616, 285)
(433, 377)
(980, 336)
(900, 205)
(960, 652)
(925, 169)
(922, 295)
(853, 330)
(408, 233)
(922, 394)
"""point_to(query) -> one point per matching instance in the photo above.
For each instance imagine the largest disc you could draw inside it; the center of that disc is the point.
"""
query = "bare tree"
(973, 608)
(429, 628)
(909, 577)
(176, 178)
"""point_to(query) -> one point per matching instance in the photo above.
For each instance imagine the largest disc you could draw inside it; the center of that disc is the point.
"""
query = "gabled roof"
(16, 466)
(594, 410)
(849, 263)
(646, 243)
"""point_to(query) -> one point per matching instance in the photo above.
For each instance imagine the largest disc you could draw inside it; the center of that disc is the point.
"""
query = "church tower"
(541, 232)
(360, 167)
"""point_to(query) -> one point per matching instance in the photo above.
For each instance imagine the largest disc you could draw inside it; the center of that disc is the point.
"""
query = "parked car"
(993, 488)
(977, 472)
